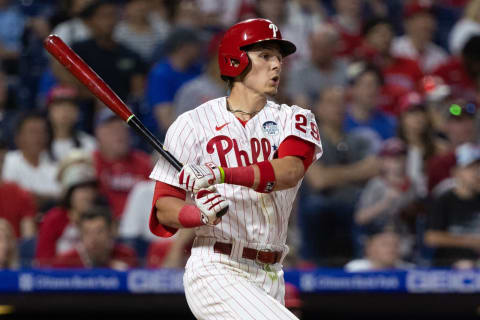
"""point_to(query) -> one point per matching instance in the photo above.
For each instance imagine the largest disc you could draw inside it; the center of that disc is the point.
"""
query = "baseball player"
(245, 153)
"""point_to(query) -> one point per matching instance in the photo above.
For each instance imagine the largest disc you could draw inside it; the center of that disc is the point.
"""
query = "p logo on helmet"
(233, 59)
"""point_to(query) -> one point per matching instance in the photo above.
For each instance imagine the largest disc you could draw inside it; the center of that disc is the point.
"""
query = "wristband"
(222, 175)
(267, 177)
(240, 176)
(190, 216)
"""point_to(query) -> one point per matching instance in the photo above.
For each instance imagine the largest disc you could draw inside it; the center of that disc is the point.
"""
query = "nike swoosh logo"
(218, 128)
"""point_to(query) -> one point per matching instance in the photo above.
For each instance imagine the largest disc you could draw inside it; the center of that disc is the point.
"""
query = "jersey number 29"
(301, 125)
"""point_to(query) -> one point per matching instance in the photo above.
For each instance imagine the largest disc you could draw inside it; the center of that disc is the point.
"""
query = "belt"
(265, 256)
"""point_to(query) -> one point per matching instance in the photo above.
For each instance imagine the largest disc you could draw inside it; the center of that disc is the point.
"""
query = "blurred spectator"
(8, 246)
(460, 128)
(385, 198)
(12, 23)
(382, 252)
(400, 74)
(293, 301)
(322, 70)
(221, 14)
(118, 166)
(171, 253)
(138, 32)
(58, 231)
(335, 181)
(76, 28)
(209, 85)
(462, 72)
(465, 28)
(417, 44)
(415, 130)
(437, 97)
(122, 69)
(8, 112)
(63, 115)
(97, 247)
(17, 205)
(182, 50)
(455, 215)
(365, 83)
(348, 21)
(32, 166)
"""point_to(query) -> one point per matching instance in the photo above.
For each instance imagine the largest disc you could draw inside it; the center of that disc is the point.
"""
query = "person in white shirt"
(32, 166)
(382, 252)
(416, 44)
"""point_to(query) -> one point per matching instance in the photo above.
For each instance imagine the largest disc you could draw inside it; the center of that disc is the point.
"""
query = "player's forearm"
(288, 171)
(168, 209)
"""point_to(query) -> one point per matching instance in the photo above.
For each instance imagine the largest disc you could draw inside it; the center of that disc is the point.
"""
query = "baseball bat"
(79, 68)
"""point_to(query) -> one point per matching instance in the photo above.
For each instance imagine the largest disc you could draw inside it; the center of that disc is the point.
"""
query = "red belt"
(260, 256)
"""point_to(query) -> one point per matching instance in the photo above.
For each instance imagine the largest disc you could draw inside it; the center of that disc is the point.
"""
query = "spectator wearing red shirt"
(97, 248)
(462, 73)
(401, 75)
(348, 22)
(118, 166)
(17, 205)
(58, 230)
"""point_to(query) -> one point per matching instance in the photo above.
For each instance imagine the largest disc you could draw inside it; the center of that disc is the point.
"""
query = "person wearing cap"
(179, 64)
(460, 128)
(122, 69)
(17, 205)
(206, 86)
(386, 197)
(63, 115)
(466, 27)
(58, 230)
(416, 44)
(382, 252)
(118, 165)
(453, 224)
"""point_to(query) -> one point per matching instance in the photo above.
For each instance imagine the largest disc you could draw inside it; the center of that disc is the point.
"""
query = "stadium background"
(369, 69)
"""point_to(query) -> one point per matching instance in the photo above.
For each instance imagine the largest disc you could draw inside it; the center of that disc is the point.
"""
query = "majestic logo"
(218, 128)
(274, 29)
(260, 150)
(270, 128)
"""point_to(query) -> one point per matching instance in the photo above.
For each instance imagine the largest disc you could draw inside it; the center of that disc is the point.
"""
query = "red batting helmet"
(243, 34)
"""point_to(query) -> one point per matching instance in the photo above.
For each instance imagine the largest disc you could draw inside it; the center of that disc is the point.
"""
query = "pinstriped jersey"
(210, 133)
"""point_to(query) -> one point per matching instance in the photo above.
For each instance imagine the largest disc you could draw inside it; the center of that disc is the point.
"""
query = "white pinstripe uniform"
(218, 286)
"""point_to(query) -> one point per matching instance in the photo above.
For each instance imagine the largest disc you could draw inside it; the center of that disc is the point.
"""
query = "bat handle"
(138, 126)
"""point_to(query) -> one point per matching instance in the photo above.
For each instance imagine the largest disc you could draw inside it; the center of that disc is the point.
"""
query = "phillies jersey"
(211, 133)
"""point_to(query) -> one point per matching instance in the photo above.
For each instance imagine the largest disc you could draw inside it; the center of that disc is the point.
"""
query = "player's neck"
(244, 103)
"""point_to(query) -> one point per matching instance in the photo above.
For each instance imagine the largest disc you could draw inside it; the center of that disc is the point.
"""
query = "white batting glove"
(212, 205)
(194, 177)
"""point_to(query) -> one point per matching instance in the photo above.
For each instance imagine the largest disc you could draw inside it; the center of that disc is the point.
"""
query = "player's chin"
(271, 91)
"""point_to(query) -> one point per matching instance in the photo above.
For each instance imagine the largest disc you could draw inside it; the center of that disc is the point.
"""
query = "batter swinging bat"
(77, 67)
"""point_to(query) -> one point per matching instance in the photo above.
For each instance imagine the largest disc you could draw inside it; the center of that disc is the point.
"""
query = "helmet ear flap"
(233, 65)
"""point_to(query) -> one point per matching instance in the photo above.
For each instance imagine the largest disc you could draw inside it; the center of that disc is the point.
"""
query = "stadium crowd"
(394, 86)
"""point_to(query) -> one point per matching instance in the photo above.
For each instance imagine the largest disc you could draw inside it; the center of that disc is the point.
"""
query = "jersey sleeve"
(181, 142)
(301, 123)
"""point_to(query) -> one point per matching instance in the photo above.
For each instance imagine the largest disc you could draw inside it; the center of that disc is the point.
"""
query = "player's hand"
(194, 177)
(212, 205)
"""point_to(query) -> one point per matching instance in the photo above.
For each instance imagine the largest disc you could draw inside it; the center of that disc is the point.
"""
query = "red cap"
(246, 33)
(417, 6)
(292, 296)
(61, 92)
(410, 101)
(393, 147)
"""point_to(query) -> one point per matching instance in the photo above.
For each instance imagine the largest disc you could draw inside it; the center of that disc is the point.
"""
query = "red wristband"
(190, 216)
(267, 177)
(240, 176)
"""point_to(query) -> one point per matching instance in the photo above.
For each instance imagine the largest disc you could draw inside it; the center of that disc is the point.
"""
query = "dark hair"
(66, 200)
(427, 136)
(97, 211)
(179, 37)
(358, 69)
(92, 8)
(32, 115)
(372, 23)
(3, 144)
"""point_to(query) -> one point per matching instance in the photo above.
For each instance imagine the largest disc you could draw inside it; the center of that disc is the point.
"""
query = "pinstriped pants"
(218, 286)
